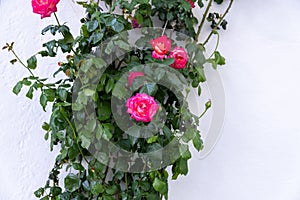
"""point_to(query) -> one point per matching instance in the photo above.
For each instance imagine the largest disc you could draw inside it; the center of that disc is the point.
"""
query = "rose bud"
(161, 47)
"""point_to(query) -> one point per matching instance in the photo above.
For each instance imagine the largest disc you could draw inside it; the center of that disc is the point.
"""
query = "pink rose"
(192, 3)
(44, 7)
(132, 76)
(161, 46)
(142, 107)
(180, 58)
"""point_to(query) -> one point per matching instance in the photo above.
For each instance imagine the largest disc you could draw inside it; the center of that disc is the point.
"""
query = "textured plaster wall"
(257, 156)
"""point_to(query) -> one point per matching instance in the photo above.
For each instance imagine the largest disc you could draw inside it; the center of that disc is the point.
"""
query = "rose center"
(160, 47)
(142, 108)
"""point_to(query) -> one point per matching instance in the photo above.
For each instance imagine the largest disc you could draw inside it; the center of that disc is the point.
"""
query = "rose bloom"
(132, 76)
(180, 58)
(161, 46)
(142, 107)
(44, 7)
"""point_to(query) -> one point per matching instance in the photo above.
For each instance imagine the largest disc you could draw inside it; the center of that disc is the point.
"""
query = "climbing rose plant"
(129, 87)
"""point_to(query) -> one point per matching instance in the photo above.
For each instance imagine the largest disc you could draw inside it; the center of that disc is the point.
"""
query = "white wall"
(257, 155)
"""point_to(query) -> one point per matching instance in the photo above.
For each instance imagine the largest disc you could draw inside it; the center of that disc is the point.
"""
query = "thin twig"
(29, 70)
(220, 21)
(56, 18)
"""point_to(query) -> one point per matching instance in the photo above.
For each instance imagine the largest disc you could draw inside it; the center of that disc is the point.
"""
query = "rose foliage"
(130, 75)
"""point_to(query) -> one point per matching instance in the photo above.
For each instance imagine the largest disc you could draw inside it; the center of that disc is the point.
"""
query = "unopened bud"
(208, 104)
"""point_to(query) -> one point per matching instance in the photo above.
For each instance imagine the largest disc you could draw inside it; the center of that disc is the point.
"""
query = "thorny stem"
(220, 21)
(203, 20)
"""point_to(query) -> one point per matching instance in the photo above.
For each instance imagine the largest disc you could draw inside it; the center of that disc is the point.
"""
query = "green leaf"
(112, 190)
(73, 152)
(46, 136)
(68, 38)
(107, 135)
(197, 142)
(40, 192)
(109, 47)
(30, 93)
(50, 93)
(106, 197)
(96, 37)
(123, 45)
(186, 5)
(26, 82)
(170, 16)
(45, 126)
(62, 93)
(109, 85)
(96, 188)
(43, 53)
(185, 152)
(152, 139)
(91, 125)
(118, 26)
(160, 186)
(219, 59)
(50, 27)
(72, 182)
(168, 61)
(183, 166)
(50, 47)
(199, 90)
(85, 141)
(92, 25)
(43, 101)
(139, 18)
(200, 73)
(188, 135)
(218, 1)
(78, 166)
(64, 47)
(45, 198)
(149, 88)
(200, 3)
(199, 56)
(104, 111)
(17, 88)
(32, 62)
(55, 191)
